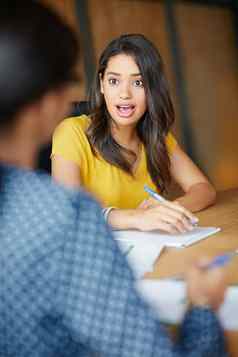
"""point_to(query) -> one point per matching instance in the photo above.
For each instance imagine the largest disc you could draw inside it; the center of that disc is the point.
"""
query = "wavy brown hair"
(154, 125)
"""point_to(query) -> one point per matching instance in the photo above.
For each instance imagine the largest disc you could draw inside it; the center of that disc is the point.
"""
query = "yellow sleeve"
(69, 139)
(171, 142)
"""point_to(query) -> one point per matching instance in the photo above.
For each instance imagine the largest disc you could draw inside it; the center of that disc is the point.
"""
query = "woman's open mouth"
(125, 111)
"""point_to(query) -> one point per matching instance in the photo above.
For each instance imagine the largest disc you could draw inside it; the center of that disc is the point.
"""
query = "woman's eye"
(138, 83)
(113, 81)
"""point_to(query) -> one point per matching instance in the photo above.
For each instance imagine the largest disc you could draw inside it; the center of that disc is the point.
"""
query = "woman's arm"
(170, 217)
(199, 193)
(65, 172)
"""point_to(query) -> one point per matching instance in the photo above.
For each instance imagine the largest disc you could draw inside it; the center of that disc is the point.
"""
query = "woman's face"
(123, 90)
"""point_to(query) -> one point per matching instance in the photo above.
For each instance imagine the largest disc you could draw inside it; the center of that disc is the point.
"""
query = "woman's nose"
(125, 91)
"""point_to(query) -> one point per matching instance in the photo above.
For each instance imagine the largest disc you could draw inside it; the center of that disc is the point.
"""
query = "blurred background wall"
(199, 44)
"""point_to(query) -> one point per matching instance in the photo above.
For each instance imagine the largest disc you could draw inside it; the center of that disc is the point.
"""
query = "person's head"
(126, 54)
(38, 54)
(130, 88)
(123, 90)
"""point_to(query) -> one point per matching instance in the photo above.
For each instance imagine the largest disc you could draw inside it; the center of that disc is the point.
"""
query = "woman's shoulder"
(70, 140)
(77, 123)
(71, 129)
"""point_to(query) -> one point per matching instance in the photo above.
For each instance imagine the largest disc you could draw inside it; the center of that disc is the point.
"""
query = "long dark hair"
(155, 124)
(38, 53)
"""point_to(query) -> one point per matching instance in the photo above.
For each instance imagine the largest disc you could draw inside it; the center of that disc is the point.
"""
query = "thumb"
(143, 204)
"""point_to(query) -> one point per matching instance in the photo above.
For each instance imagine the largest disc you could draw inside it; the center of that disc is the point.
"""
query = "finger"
(143, 204)
(178, 219)
(159, 219)
(177, 207)
(167, 227)
(186, 212)
(203, 262)
(151, 202)
(193, 219)
(206, 286)
(213, 277)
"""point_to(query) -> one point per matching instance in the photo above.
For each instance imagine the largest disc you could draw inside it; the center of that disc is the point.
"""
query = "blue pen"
(221, 260)
(218, 261)
(159, 198)
(154, 194)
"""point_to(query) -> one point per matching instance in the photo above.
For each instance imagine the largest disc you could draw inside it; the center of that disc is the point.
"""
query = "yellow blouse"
(110, 185)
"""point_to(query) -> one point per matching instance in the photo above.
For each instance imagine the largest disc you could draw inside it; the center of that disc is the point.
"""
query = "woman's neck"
(126, 137)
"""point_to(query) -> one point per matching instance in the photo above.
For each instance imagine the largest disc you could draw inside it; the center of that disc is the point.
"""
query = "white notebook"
(180, 240)
(143, 248)
(140, 256)
(168, 300)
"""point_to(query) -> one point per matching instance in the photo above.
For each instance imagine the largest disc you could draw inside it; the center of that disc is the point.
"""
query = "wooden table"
(223, 214)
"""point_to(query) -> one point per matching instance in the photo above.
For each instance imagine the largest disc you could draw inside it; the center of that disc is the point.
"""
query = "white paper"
(159, 238)
(140, 256)
(167, 298)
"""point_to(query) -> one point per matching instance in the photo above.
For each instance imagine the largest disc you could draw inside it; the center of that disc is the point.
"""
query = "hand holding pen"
(206, 281)
(168, 216)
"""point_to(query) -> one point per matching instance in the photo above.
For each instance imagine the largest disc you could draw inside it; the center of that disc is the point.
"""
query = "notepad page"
(196, 235)
(179, 240)
(140, 256)
(167, 298)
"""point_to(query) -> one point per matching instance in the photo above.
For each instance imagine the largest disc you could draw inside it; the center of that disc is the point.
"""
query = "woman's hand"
(206, 287)
(168, 216)
(149, 202)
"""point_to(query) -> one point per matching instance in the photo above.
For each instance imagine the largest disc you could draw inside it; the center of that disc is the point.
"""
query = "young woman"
(126, 143)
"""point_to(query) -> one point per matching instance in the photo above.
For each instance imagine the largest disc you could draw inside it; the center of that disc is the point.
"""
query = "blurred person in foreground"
(66, 290)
